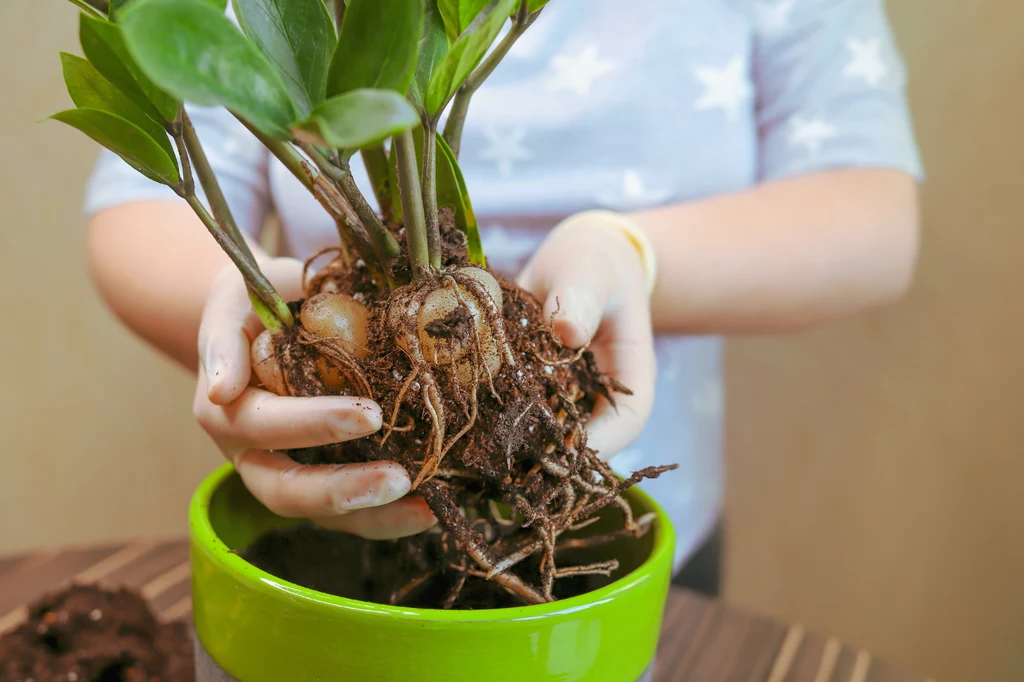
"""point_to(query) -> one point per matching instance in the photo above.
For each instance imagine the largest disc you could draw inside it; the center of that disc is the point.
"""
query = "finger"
(575, 296)
(260, 420)
(631, 360)
(229, 325)
(295, 490)
(224, 343)
(407, 516)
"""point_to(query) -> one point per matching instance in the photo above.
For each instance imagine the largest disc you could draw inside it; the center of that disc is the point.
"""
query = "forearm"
(153, 263)
(783, 255)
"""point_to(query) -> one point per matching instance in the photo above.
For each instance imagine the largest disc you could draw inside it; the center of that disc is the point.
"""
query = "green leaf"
(193, 51)
(298, 38)
(465, 54)
(126, 140)
(117, 5)
(357, 119)
(452, 193)
(86, 7)
(90, 90)
(535, 5)
(377, 46)
(104, 46)
(433, 47)
(459, 14)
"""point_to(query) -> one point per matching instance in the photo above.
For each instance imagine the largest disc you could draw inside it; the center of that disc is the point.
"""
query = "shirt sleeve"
(239, 161)
(831, 87)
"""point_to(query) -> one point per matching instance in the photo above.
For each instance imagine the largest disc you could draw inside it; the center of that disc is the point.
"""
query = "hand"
(250, 425)
(592, 281)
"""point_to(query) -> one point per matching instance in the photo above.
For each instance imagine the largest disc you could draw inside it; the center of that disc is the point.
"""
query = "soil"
(515, 478)
(86, 633)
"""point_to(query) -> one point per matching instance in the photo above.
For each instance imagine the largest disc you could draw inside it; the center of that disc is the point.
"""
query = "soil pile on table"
(85, 633)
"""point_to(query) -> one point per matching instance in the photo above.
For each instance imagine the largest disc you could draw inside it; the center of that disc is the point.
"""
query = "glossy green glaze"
(262, 629)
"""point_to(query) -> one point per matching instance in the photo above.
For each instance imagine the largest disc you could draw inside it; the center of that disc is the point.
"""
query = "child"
(712, 167)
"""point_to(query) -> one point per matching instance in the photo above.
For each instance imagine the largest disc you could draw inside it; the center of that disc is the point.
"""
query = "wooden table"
(702, 641)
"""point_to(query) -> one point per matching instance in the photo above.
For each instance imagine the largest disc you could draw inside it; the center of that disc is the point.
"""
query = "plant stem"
(460, 105)
(412, 204)
(271, 308)
(339, 12)
(284, 152)
(188, 182)
(376, 161)
(429, 186)
(383, 241)
(208, 179)
(268, 304)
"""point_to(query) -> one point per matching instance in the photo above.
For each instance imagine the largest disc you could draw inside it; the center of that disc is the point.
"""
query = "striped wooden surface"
(702, 640)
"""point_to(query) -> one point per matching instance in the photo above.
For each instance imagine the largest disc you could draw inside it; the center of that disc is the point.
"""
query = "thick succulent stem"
(284, 152)
(268, 304)
(384, 243)
(460, 104)
(208, 179)
(429, 187)
(376, 161)
(412, 204)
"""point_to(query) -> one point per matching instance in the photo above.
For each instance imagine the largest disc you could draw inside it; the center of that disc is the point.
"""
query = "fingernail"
(214, 373)
(385, 484)
(361, 416)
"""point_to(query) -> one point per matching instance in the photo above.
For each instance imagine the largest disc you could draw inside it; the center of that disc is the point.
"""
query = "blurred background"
(875, 467)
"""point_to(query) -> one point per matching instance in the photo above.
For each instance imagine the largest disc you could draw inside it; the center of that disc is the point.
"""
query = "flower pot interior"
(259, 628)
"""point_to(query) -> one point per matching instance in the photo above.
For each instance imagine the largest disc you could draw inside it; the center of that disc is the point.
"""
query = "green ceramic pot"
(258, 628)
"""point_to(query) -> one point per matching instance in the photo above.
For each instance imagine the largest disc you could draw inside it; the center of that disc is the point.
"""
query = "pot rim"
(202, 534)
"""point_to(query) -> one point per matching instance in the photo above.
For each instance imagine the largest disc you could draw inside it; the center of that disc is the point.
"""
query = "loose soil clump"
(86, 633)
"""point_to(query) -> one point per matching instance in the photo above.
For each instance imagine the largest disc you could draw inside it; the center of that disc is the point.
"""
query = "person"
(754, 158)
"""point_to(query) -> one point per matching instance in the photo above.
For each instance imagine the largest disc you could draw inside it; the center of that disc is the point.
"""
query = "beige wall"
(98, 439)
(877, 467)
(874, 466)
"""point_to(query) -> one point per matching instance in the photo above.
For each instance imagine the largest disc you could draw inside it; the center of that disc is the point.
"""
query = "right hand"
(251, 426)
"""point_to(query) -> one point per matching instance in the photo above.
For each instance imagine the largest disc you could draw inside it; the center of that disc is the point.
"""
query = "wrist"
(623, 226)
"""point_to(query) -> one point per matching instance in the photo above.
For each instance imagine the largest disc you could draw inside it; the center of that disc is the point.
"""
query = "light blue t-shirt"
(609, 104)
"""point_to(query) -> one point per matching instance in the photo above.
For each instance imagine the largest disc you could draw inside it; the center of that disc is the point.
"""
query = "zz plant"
(483, 405)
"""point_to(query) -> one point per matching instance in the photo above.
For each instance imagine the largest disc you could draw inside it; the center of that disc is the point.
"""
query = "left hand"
(595, 280)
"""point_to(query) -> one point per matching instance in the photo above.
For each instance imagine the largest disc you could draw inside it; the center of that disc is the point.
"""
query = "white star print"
(505, 148)
(634, 193)
(511, 247)
(579, 71)
(810, 133)
(866, 61)
(727, 88)
(773, 16)
(707, 401)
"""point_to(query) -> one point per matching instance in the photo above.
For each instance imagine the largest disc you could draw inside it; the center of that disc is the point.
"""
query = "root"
(401, 593)
(299, 373)
(563, 361)
(398, 404)
(335, 352)
(440, 501)
(306, 282)
(431, 395)
(604, 568)
(547, 564)
(490, 309)
(456, 590)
